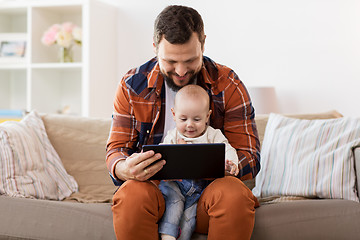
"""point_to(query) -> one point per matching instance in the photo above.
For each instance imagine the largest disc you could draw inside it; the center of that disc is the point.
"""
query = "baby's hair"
(193, 91)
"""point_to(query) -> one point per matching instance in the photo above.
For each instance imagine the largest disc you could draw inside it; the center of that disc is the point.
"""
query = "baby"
(191, 114)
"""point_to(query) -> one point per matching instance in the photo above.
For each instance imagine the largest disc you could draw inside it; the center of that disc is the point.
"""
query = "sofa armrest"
(357, 168)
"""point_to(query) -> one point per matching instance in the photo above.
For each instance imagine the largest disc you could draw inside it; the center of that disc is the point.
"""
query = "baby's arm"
(232, 161)
(170, 137)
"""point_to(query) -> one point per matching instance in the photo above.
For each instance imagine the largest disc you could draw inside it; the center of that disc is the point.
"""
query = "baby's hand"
(181, 141)
(231, 168)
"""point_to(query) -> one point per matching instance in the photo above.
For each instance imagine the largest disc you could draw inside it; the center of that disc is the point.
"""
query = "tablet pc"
(190, 161)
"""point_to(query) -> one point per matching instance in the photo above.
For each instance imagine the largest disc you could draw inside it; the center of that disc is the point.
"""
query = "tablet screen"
(190, 161)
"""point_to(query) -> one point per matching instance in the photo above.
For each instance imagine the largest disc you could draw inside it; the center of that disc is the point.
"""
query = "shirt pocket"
(144, 130)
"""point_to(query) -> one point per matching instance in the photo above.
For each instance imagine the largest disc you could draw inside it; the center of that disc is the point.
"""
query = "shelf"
(10, 66)
(72, 65)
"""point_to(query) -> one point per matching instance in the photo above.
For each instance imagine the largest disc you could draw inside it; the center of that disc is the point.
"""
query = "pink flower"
(67, 27)
(49, 38)
(55, 27)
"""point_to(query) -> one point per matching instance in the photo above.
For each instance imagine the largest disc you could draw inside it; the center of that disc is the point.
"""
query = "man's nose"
(180, 69)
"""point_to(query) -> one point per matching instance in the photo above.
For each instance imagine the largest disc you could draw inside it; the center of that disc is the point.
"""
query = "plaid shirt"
(139, 114)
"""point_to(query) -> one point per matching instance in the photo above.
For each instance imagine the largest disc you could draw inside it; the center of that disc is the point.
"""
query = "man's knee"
(134, 192)
(229, 189)
(137, 203)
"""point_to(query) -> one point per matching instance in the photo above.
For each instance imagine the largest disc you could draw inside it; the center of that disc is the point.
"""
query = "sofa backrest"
(80, 143)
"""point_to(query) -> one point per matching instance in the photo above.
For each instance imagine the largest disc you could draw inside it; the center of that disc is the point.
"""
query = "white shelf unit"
(38, 81)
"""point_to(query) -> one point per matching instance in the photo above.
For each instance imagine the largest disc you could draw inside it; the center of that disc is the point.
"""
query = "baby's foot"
(167, 237)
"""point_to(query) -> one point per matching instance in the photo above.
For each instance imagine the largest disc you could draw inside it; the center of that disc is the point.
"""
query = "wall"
(309, 50)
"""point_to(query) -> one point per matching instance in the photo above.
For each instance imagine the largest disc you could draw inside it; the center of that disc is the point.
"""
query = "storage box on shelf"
(38, 80)
(10, 115)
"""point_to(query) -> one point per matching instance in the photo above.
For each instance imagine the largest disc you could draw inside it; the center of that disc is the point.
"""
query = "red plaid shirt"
(139, 114)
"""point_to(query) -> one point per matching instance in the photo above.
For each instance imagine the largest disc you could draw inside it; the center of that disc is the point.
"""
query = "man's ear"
(203, 45)
(154, 48)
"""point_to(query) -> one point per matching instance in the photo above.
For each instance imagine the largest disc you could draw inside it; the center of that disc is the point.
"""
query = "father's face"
(180, 63)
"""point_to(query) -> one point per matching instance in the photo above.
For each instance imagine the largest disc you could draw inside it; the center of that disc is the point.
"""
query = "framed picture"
(12, 48)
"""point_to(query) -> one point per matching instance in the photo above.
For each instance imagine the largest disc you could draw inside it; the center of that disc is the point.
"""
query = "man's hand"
(231, 168)
(136, 166)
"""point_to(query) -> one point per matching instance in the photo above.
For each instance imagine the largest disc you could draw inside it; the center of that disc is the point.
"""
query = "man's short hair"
(177, 24)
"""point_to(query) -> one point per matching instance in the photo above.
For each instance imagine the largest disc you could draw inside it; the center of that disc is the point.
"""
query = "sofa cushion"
(23, 218)
(305, 219)
(311, 158)
(261, 121)
(29, 165)
(80, 143)
(308, 219)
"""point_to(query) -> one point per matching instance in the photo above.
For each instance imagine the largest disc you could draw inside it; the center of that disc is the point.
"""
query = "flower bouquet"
(65, 35)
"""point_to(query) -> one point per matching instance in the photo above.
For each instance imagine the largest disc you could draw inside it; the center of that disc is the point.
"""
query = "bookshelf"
(37, 80)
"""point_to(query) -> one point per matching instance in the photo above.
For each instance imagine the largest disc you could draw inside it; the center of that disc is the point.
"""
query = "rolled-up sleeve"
(123, 134)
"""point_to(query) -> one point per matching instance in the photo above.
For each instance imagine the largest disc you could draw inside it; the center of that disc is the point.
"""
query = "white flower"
(64, 39)
(77, 34)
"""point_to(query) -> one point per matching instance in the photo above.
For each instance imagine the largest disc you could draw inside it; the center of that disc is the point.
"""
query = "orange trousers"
(226, 210)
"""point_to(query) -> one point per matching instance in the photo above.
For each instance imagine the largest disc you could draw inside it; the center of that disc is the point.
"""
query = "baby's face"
(191, 117)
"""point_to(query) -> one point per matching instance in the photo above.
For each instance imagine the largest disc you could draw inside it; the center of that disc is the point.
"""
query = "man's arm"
(122, 161)
(240, 128)
(122, 133)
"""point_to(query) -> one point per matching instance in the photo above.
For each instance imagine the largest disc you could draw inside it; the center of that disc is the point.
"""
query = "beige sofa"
(80, 142)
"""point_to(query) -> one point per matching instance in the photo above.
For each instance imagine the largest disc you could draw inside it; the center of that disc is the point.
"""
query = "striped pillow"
(310, 158)
(29, 165)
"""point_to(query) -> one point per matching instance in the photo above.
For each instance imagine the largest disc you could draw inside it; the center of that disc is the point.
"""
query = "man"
(142, 115)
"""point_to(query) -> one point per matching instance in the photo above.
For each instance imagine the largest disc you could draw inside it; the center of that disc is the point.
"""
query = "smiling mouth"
(181, 78)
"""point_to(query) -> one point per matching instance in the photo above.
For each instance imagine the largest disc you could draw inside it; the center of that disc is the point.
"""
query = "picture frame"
(13, 48)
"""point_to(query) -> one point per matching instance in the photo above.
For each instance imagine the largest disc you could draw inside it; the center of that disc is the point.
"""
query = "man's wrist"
(117, 169)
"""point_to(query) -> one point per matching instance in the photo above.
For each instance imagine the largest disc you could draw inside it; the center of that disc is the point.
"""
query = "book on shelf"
(11, 115)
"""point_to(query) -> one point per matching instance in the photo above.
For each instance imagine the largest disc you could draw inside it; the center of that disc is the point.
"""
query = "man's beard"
(170, 82)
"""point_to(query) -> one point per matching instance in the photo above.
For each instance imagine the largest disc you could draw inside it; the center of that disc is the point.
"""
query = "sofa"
(80, 143)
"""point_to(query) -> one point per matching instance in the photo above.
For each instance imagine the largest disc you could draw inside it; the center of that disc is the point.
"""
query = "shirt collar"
(205, 74)
(155, 79)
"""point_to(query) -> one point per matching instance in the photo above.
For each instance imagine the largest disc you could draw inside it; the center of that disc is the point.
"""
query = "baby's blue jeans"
(180, 207)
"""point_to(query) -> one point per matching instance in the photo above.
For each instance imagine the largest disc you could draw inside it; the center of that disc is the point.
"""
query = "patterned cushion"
(29, 165)
(311, 158)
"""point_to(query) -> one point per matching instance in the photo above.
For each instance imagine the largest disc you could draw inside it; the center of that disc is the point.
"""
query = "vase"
(65, 54)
